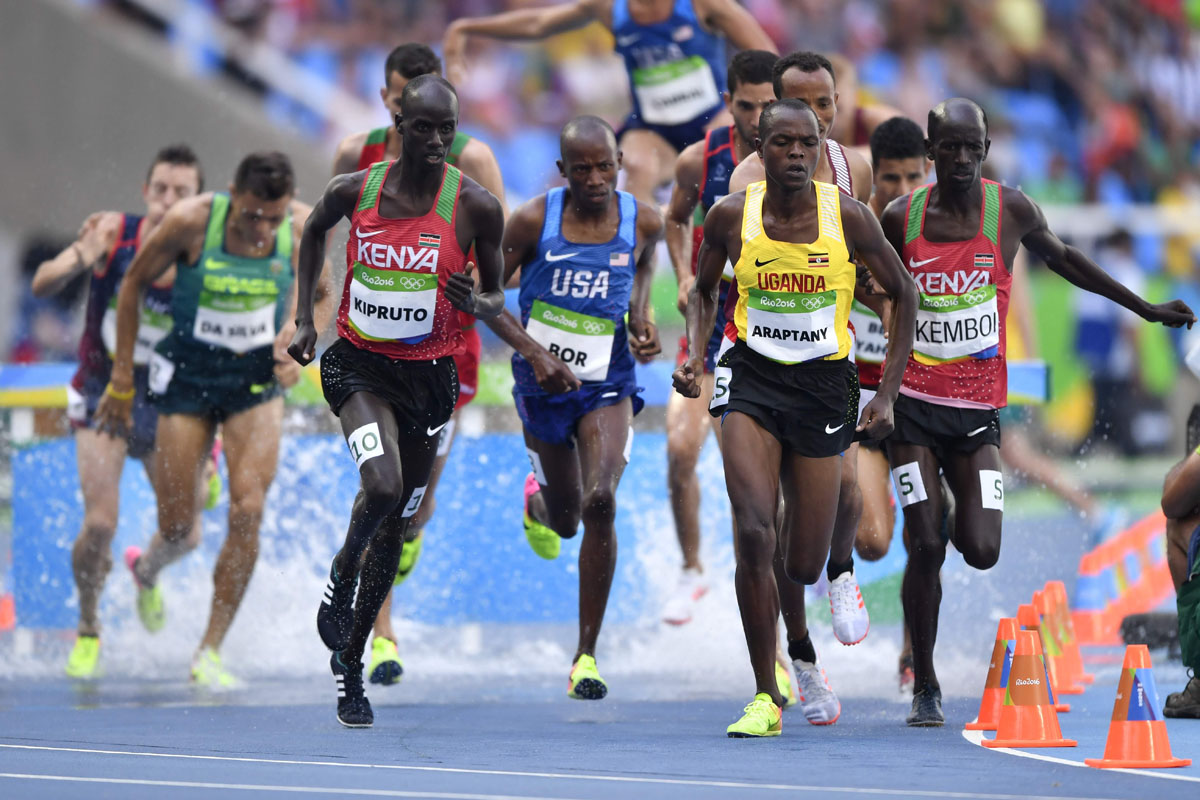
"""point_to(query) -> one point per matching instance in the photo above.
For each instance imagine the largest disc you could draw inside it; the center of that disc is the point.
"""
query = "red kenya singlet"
(393, 302)
(958, 348)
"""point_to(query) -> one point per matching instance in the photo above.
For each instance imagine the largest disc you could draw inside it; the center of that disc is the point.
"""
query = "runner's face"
(789, 153)
(391, 93)
(816, 89)
(254, 219)
(591, 171)
(896, 177)
(428, 130)
(168, 184)
(958, 151)
(746, 104)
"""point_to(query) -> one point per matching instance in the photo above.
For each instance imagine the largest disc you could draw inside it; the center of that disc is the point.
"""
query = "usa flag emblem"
(618, 260)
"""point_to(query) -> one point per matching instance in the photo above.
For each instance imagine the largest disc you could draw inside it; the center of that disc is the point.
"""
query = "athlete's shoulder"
(476, 152)
(649, 220)
(747, 172)
(349, 150)
(1019, 206)
(728, 209)
(860, 172)
(476, 199)
(691, 159)
(190, 213)
(525, 224)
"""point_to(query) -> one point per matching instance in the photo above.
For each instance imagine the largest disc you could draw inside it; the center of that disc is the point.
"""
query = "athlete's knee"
(382, 487)
(803, 570)
(926, 552)
(99, 528)
(682, 456)
(872, 543)
(600, 505)
(980, 552)
(756, 543)
(247, 504)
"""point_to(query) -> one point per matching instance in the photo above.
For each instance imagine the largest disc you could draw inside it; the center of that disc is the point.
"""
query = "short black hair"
(417, 83)
(803, 60)
(942, 110)
(582, 126)
(267, 175)
(178, 155)
(778, 107)
(750, 67)
(897, 138)
(412, 60)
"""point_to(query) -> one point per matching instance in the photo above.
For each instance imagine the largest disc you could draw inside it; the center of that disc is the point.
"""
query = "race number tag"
(152, 327)
(951, 326)
(676, 92)
(583, 342)
(365, 443)
(535, 464)
(991, 489)
(792, 327)
(391, 304)
(76, 405)
(870, 346)
(162, 369)
(414, 502)
(628, 445)
(909, 486)
(721, 377)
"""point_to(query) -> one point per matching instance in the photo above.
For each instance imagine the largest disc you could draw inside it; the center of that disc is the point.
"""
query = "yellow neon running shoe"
(208, 672)
(408, 559)
(786, 690)
(544, 541)
(149, 599)
(385, 667)
(585, 682)
(761, 718)
(84, 656)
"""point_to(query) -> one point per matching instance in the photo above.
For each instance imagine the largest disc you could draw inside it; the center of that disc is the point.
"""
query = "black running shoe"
(1185, 704)
(354, 710)
(927, 709)
(335, 617)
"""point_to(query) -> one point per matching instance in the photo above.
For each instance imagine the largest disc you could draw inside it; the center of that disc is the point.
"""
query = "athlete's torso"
(574, 297)
(676, 68)
(958, 356)
(99, 339)
(394, 301)
(794, 299)
(230, 306)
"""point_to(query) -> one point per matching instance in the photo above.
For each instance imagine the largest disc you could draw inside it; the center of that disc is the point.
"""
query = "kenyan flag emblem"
(429, 240)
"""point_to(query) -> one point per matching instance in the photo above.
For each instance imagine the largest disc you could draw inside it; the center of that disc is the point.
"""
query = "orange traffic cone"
(1028, 718)
(1062, 610)
(1095, 593)
(1056, 657)
(997, 678)
(1031, 620)
(1137, 735)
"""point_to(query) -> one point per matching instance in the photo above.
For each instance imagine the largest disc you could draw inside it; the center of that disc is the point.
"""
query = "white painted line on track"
(976, 737)
(563, 775)
(260, 787)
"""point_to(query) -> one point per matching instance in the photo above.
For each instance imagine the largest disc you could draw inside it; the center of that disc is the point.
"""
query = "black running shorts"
(422, 394)
(944, 429)
(811, 408)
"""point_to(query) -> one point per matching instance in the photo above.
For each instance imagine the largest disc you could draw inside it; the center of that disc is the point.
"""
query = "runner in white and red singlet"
(958, 239)
(390, 376)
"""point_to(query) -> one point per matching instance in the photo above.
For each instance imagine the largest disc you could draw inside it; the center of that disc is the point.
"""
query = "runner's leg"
(648, 160)
(101, 459)
(874, 536)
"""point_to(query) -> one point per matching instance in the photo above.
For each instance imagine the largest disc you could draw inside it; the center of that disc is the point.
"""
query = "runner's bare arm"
(1181, 489)
(866, 239)
(685, 196)
(478, 163)
(1080, 270)
(722, 226)
(525, 23)
(737, 24)
(348, 151)
(337, 202)
(520, 245)
(748, 172)
(643, 334)
(96, 240)
(482, 214)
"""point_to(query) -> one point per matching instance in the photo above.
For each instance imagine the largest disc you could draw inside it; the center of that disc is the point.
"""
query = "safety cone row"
(1030, 620)
(1137, 735)
(996, 685)
(1057, 591)
(1028, 718)
(1054, 639)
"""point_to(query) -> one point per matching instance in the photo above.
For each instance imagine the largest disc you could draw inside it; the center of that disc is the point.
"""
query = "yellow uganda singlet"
(794, 299)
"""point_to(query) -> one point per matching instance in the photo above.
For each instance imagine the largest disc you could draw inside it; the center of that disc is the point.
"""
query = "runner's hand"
(97, 234)
(687, 378)
(685, 288)
(552, 374)
(876, 419)
(460, 289)
(454, 49)
(114, 415)
(643, 340)
(304, 344)
(1174, 314)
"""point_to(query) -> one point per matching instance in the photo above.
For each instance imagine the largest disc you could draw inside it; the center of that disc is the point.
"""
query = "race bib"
(162, 369)
(152, 327)
(870, 343)
(583, 342)
(236, 322)
(951, 326)
(721, 378)
(674, 93)
(791, 327)
(391, 304)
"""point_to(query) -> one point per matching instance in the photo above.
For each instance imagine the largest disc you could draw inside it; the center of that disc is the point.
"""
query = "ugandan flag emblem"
(818, 260)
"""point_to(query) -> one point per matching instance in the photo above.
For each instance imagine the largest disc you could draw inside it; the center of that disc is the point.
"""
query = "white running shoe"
(850, 619)
(690, 588)
(818, 702)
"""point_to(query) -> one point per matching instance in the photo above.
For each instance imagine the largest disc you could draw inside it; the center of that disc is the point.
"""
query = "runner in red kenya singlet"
(390, 376)
(958, 239)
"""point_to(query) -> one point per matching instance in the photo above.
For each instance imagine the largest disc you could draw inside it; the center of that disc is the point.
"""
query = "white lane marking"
(565, 776)
(262, 787)
(976, 737)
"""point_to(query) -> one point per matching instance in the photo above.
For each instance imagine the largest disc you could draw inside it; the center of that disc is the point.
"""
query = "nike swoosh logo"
(914, 264)
(432, 431)
(978, 431)
(212, 263)
(625, 41)
(758, 263)
(360, 233)
(834, 430)
(609, 394)
(551, 257)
